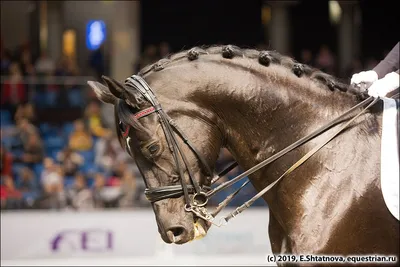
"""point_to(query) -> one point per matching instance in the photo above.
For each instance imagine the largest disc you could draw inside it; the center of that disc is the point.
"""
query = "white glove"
(367, 77)
(385, 85)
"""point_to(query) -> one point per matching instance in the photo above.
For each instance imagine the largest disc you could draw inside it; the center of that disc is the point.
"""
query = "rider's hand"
(385, 85)
(367, 77)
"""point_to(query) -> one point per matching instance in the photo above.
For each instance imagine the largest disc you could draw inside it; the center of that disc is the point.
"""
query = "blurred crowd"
(75, 164)
(80, 164)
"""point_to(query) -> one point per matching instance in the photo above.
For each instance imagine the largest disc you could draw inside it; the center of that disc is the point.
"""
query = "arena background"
(69, 194)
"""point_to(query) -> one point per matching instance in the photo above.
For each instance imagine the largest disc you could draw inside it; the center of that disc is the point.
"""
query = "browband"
(144, 112)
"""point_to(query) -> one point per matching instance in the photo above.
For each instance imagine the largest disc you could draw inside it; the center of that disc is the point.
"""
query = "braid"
(265, 58)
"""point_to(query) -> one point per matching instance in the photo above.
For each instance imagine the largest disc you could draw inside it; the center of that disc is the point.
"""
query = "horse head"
(176, 172)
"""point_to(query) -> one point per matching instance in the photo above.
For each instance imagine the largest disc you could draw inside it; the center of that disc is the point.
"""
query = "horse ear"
(102, 92)
(115, 87)
(132, 98)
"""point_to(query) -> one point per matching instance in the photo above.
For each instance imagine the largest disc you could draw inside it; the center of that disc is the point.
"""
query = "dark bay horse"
(255, 103)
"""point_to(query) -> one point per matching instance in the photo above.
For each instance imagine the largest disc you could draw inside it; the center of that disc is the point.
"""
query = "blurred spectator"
(98, 188)
(94, 121)
(70, 161)
(3, 197)
(27, 182)
(164, 49)
(119, 169)
(106, 194)
(306, 57)
(53, 185)
(33, 150)
(108, 151)
(44, 65)
(114, 181)
(26, 63)
(325, 60)
(14, 90)
(61, 66)
(128, 190)
(26, 111)
(79, 196)
(6, 162)
(10, 196)
(5, 61)
(26, 129)
(72, 94)
(80, 139)
(71, 67)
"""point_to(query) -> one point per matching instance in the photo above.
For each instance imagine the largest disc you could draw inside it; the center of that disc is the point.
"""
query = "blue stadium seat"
(17, 153)
(40, 99)
(53, 154)
(38, 168)
(51, 98)
(7, 142)
(67, 129)
(44, 128)
(32, 195)
(54, 142)
(87, 155)
(16, 169)
(48, 130)
(90, 182)
(75, 97)
(17, 142)
(89, 168)
(69, 181)
(5, 118)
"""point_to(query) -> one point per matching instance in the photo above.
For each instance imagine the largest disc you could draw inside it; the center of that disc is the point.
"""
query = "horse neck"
(262, 114)
(262, 110)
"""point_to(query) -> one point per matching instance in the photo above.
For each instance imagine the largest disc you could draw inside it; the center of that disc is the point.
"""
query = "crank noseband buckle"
(200, 199)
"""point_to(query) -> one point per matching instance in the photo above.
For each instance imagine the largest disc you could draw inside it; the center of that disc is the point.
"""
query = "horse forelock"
(124, 114)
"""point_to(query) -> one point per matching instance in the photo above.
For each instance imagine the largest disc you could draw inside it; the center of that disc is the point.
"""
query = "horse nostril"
(175, 233)
(177, 230)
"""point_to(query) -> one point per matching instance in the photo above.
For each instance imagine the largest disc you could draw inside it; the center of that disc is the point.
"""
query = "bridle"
(201, 194)
(170, 127)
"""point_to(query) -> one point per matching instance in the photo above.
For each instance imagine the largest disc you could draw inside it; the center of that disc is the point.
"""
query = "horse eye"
(153, 149)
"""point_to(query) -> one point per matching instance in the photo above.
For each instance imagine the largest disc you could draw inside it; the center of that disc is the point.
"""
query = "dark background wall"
(380, 26)
(193, 23)
(188, 23)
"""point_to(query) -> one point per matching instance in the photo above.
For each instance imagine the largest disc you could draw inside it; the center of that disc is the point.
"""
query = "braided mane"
(265, 58)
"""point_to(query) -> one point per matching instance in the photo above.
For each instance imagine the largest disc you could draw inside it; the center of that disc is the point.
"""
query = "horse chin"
(200, 229)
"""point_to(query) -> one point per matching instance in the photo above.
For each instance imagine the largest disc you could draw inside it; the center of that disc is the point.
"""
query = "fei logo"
(90, 240)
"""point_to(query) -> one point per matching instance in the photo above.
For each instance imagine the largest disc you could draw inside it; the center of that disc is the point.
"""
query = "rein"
(197, 203)
(248, 203)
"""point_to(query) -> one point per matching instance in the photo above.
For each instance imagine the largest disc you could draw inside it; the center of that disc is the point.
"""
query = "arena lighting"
(265, 15)
(95, 34)
(335, 12)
